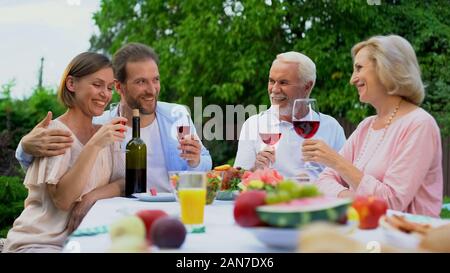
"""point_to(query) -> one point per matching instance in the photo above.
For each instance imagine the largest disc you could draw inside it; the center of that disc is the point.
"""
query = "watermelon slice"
(153, 191)
(304, 211)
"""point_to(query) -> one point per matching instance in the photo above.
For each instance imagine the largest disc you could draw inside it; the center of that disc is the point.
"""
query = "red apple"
(149, 217)
(245, 208)
(370, 209)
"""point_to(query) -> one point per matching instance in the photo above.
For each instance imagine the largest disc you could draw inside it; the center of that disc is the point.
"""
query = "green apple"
(128, 244)
(129, 225)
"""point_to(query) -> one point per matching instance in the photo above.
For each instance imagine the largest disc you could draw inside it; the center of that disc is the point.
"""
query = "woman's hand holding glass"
(306, 121)
(112, 132)
(115, 112)
(318, 151)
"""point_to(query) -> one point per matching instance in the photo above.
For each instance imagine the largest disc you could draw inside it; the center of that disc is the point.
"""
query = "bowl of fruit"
(231, 177)
(280, 210)
(304, 211)
(277, 238)
(288, 205)
(294, 204)
(174, 177)
(213, 183)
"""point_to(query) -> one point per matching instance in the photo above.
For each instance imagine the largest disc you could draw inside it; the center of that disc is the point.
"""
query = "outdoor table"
(222, 234)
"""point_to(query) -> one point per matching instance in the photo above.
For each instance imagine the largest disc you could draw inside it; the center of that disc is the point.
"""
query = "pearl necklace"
(366, 141)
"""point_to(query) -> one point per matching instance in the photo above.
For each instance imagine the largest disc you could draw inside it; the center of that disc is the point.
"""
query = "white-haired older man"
(292, 76)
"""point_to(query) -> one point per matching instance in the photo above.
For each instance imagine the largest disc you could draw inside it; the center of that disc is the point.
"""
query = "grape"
(309, 191)
(288, 190)
(297, 193)
(284, 196)
(272, 198)
(288, 186)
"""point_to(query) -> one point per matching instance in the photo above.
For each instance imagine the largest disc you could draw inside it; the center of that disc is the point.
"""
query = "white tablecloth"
(222, 234)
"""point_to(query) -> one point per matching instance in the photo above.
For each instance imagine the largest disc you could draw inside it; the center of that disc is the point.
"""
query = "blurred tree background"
(221, 50)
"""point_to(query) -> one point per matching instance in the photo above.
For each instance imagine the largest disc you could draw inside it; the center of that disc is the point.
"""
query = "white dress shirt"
(288, 155)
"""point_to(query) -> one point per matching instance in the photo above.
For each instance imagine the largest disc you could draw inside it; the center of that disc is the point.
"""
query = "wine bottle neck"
(136, 127)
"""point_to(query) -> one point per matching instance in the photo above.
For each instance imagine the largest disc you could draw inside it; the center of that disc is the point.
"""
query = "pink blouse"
(404, 166)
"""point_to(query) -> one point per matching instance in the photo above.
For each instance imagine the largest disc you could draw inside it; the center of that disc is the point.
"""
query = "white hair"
(396, 66)
(306, 67)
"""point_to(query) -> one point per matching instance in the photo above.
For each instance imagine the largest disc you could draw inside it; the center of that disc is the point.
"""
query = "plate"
(404, 240)
(397, 238)
(280, 238)
(226, 195)
(160, 197)
(304, 211)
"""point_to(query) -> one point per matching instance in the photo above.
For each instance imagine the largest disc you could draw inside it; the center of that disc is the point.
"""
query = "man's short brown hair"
(132, 52)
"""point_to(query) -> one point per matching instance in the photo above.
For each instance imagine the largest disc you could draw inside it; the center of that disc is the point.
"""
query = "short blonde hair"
(306, 67)
(396, 65)
(82, 65)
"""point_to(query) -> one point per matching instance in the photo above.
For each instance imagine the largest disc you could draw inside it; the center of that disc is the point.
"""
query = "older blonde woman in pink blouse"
(395, 154)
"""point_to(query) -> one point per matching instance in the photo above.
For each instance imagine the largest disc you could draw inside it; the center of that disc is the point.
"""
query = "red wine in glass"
(124, 124)
(114, 111)
(270, 138)
(306, 121)
(306, 128)
(183, 130)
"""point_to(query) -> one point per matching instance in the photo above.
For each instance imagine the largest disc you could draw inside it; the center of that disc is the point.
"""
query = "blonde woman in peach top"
(395, 154)
(61, 189)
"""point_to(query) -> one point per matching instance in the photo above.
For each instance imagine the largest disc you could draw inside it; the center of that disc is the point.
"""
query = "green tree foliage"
(12, 194)
(18, 117)
(222, 49)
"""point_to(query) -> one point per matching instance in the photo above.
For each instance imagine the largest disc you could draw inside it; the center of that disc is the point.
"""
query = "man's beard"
(285, 110)
(135, 104)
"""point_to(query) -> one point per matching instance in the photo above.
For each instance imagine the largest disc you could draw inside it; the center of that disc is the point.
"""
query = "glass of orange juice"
(192, 198)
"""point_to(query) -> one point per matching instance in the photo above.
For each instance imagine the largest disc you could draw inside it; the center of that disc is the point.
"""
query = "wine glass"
(269, 131)
(114, 112)
(183, 127)
(306, 121)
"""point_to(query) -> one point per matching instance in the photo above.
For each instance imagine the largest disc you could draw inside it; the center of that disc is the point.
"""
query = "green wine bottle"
(136, 161)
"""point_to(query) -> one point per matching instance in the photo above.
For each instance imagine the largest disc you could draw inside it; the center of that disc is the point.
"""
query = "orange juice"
(192, 201)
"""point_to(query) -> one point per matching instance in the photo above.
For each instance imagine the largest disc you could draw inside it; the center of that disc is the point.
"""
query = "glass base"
(310, 167)
(198, 228)
(300, 179)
